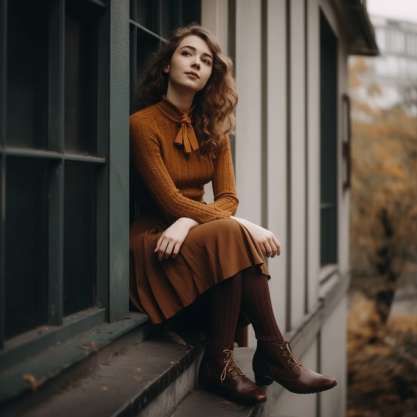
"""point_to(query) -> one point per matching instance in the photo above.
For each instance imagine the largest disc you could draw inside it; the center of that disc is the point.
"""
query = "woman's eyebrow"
(192, 47)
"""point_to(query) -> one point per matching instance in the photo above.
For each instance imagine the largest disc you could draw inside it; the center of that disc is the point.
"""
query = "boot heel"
(261, 372)
(263, 379)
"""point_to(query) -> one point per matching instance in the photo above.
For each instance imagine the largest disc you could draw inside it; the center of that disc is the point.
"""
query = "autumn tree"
(384, 185)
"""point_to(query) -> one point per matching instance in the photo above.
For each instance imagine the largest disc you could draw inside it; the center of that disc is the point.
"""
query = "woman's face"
(191, 56)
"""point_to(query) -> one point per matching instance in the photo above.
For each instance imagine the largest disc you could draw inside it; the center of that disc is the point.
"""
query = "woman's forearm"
(192, 223)
(189, 222)
(241, 220)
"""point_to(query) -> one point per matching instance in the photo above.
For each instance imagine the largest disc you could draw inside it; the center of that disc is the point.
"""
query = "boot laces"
(288, 353)
(230, 366)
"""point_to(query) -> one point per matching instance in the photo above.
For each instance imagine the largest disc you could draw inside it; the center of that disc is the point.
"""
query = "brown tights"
(249, 291)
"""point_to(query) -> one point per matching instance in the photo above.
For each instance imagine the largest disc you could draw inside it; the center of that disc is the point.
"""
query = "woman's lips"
(191, 74)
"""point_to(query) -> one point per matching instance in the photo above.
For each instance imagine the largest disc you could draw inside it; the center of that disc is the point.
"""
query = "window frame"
(326, 130)
(112, 318)
(58, 328)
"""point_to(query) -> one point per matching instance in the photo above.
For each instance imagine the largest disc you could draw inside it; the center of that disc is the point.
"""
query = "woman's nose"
(196, 63)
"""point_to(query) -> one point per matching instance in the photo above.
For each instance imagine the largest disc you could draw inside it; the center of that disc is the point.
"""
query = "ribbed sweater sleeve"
(223, 182)
(150, 165)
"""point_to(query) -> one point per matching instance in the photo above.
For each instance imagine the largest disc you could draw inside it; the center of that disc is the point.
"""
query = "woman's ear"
(166, 69)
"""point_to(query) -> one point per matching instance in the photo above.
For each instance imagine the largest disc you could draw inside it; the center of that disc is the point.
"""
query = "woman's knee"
(215, 229)
(228, 223)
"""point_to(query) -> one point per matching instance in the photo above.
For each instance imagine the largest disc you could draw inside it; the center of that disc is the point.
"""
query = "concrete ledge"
(120, 380)
(133, 377)
(204, 404)
(37, 370)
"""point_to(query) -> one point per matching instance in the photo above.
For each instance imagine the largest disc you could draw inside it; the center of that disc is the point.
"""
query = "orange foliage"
(382, 378)
(384, 178)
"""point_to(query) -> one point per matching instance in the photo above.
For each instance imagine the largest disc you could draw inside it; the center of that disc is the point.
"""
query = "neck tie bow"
(186, 135)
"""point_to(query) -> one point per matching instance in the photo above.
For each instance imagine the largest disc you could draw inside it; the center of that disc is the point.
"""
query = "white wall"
(305, 185)
(334, 361)
(313, 152)
(214, 16)
(248, 114)
(277, 151)
(248, 132)
(298, 163)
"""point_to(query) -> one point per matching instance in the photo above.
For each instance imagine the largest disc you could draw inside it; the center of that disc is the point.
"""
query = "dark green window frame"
(63, 159)
(328, 144)
(111, 69)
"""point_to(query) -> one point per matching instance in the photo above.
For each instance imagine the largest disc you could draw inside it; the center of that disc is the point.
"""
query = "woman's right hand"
(171, 239)
(265, 240)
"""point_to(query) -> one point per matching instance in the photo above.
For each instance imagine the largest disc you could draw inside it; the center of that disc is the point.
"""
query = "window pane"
(80, 241)
(380, 38)
(328, 223)
(397, 41)
(146, 12)
(328, 143)
(142, 45)
(177, 13)
(171, 16)
(27, 74)
(191, 11)
(81, 50)
(26, 245)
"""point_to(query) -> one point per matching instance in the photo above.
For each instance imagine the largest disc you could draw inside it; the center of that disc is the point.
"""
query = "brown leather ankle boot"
(274, 361)
(221, 375)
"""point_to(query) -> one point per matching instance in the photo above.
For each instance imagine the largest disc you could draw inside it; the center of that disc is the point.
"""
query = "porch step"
(204, 404)
(121, 379)
(133, 377)
(21, 372)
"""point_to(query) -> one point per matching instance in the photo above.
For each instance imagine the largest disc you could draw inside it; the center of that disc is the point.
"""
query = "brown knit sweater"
(174, 172)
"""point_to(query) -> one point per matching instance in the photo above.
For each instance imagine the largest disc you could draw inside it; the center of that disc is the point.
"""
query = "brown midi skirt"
(211, 253)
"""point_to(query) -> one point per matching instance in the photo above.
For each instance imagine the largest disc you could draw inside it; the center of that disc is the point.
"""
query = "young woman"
(183, 247)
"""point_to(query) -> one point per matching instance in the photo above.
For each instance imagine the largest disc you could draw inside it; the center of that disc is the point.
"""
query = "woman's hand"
(265, 240)
(171, 239)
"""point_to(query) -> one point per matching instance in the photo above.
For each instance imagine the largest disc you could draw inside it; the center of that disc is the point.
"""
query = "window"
(151, 23)
(53, 161)
(380, 66)
(412, 70)
(328, 144)
(392, 66)
(412, 44)
(396, 41)
(58, 198)
(380, 37)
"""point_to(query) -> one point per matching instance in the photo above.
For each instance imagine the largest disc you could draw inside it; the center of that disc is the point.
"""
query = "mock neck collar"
(172, 111)
(186, 136)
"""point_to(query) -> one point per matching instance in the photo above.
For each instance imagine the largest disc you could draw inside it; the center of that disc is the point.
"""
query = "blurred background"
(324, 155)
(382, 329)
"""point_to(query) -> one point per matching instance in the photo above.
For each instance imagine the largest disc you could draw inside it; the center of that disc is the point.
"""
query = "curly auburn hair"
(214, 105)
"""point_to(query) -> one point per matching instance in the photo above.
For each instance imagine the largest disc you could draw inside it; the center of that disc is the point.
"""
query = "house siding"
(286, 123)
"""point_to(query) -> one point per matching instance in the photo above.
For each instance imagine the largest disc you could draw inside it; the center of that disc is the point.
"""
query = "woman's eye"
(187, 53)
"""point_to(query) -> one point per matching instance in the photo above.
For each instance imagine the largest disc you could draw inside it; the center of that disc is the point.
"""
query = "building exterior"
(395, 70)
(64, 197)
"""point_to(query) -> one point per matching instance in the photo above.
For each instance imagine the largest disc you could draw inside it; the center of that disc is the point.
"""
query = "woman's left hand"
(265, 240)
